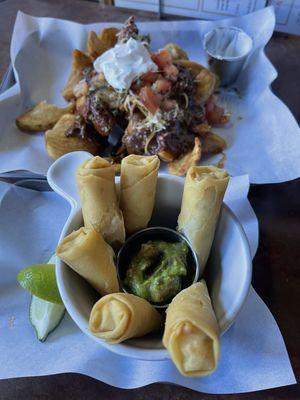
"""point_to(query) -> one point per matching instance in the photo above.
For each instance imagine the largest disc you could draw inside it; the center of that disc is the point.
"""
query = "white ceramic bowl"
(228, 272)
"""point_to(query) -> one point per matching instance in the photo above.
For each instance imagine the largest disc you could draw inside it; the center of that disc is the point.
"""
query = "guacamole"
(156, 271)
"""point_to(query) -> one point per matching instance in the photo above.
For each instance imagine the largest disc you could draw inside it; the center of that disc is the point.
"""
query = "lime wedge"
(40, 281)
(45, 316)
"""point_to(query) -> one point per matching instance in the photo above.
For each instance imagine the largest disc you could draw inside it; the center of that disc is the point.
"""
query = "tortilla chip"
(213, 144)
(176, 52)
(181, 165)
(95, 46)
(108, 37)
(58, 144)
(79, 62)
(41, 117)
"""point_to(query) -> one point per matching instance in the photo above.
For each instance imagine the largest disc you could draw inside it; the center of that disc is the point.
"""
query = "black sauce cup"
(133, 245)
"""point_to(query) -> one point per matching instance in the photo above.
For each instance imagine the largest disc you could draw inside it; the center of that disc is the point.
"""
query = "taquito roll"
(191, 332)
(137, 190)
(203, 194)
(87, 253)
(100, 208)
(120, 316)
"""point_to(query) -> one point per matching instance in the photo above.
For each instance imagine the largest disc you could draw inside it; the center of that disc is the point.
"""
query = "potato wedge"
(206, 82)
(79, 62)
(213, 144)
(41, 117)
(108, 37)
(176, 52)
(181, 165)
(58, 144)
(192, 65)
(95, 47)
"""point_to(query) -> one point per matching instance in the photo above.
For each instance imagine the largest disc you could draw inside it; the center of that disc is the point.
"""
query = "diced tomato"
(214, 114)
(162, 58)
(162, 85)
(168, 105)
(150, 99)
(149, 77)
(146, 79)
(164, 62)
(171, 72)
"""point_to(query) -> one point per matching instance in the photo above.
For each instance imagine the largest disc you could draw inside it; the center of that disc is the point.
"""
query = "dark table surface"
(276, 272)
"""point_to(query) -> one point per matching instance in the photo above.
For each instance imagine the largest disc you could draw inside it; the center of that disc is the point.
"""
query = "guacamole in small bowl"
(156, 264)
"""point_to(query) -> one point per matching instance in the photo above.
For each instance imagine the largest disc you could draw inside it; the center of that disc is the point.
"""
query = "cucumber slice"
(45, 316)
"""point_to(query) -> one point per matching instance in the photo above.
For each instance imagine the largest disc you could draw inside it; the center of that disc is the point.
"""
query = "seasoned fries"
(181, 165)
(79, 62)
(41, 117)
(58, 144)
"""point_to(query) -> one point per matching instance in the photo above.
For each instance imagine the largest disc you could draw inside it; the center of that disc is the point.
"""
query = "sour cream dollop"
(124, 63)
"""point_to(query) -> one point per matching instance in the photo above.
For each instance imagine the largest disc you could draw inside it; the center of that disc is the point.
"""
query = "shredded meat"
(129, 30)
(78, 129)
(84, 131)
(99, 116)
(168, 144)
(172, 142)
(184, 83)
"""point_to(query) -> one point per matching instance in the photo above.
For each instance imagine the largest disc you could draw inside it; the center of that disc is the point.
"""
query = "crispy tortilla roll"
(138, 187)
(191, 332)
(121, 316)
(86, 252)
(202, 199)
(100, 209)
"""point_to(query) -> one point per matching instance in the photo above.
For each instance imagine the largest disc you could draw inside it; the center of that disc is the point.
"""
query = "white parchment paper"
(263, 137)
(253, 355)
